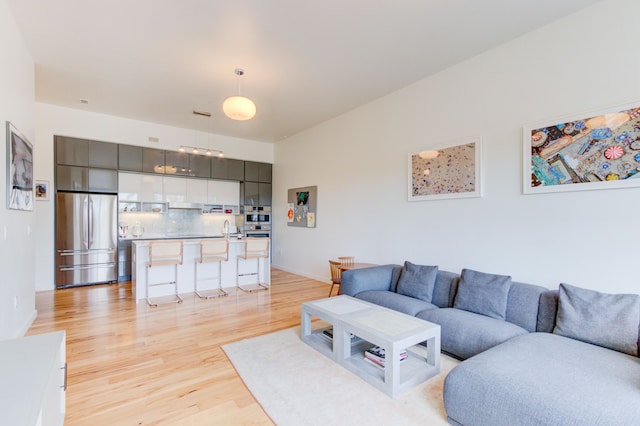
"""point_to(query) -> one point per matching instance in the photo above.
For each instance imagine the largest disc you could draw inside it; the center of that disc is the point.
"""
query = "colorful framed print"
(42, 190)
(447, 171)
(598, 150)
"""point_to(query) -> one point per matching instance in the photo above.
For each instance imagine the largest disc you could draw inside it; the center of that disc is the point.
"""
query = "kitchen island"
(186, 271)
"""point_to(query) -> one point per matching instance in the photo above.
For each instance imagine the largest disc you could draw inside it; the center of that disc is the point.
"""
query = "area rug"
(297, 385)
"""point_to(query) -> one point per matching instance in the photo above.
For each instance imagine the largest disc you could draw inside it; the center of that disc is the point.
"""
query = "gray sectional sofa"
(531, 356)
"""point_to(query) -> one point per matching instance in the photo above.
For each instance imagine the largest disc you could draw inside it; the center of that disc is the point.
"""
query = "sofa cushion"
(417, 281)
(544, 379)
(464, 334)
(607, 320)
(398, 302)
(483, 293)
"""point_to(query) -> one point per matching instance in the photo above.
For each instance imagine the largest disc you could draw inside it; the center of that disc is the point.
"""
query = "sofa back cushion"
(417, 281)
(483, 293)
(523, 303)
(445, 289)
(607, 320)
(547, 311)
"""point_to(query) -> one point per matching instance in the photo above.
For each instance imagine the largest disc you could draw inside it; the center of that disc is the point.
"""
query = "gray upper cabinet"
(257, 172)
(251, 171)
(179, 161)
(200, 165)
(102, 180)
(86, 153)
(130, 158)
(257, 194)
(235, 169)
(264, 194)
(72, 151)
(153, 160)
(103, 155)
(219, 168)
(72, 178)
(265, 174)
(227, 169)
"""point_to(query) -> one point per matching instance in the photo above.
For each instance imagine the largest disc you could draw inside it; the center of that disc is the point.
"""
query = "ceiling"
(305, 61)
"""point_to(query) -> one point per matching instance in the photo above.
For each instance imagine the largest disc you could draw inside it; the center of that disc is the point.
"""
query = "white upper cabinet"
(223, 192)
(139, 187)
(175, 189)
(129, 186)
(196, 191)
(151, 190)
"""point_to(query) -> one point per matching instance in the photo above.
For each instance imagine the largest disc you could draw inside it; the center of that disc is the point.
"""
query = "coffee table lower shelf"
(357, 318)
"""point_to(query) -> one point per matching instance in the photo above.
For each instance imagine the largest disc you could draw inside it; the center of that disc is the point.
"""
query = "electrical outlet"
(15, 302)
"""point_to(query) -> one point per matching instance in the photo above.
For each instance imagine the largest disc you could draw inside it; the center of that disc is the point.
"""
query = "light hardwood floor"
(129, 364)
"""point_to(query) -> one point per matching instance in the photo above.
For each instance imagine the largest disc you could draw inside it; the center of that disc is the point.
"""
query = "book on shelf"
(376, 354)
(328, 333)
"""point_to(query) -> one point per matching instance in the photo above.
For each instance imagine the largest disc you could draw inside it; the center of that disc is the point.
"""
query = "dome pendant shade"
(239, 108)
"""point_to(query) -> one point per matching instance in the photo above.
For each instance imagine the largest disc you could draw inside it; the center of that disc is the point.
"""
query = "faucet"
(225, 227)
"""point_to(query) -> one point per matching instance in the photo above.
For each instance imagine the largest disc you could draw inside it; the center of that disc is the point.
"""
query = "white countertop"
(151, 236)
(142, 242)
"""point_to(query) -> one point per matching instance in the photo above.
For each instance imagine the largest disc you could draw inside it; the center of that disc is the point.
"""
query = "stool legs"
(260, 285)
(174, 282)
(219, 292)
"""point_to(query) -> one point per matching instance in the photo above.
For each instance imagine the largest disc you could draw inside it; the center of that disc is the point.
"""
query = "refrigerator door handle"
(75, 252)
(89, 221)
(78, 268)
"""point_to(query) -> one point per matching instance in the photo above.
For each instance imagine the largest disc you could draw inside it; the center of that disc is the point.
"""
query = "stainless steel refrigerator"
(86, 239)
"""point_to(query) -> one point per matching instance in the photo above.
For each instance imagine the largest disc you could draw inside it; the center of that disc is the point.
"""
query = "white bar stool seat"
(254, 248)
(212, 251)
(164, 253)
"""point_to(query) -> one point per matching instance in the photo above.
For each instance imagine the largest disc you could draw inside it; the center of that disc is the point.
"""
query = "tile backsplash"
(177, 222)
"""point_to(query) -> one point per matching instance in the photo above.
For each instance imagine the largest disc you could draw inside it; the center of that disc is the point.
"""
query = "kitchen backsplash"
(177, 222)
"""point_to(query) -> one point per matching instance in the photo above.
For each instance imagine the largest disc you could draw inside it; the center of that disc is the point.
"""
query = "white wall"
(17, 88)
(359, 162)
(54, 120)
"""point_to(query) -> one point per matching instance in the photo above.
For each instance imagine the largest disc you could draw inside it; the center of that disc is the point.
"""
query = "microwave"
(257, 214)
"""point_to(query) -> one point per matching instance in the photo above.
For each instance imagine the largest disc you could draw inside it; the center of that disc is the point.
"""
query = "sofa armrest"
(366, 279)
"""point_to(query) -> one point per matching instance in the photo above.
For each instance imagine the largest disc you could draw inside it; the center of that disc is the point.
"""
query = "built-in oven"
(257, 215)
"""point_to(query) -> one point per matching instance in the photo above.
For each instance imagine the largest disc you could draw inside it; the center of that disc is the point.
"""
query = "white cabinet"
(33, 374)
(129, 186)
(151, 190)
(196, 191)
(223, 192)
(139, 187)
(175, 189)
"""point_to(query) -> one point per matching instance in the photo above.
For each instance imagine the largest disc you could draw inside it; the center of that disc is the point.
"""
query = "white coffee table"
(374, 325)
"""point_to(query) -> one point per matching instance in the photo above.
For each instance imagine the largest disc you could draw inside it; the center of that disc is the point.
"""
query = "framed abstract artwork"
(20, 183)
(446, 171)
(598, 150)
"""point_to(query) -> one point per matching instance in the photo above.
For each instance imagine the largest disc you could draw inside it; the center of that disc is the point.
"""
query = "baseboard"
(302, 273)
(28, 323)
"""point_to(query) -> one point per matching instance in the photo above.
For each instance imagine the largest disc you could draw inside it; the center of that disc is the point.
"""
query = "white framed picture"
(451, 170)
(587, 151)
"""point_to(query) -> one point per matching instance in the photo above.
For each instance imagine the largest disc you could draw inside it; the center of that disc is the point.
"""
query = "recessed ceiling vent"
(202, 113)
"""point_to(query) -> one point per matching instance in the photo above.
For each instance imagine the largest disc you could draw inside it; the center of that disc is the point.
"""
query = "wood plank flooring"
(130, 364)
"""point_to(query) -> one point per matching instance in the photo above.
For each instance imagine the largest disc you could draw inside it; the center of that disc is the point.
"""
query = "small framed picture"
(42, 190)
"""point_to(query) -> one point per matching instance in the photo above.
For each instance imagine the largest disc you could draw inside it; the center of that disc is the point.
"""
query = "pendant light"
(239, 107)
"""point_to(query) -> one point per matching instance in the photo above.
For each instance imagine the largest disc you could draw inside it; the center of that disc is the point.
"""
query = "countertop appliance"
(86, 239)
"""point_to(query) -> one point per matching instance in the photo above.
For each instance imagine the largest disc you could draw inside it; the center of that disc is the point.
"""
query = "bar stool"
(164, 253)
(254, 248)
(212, 250)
